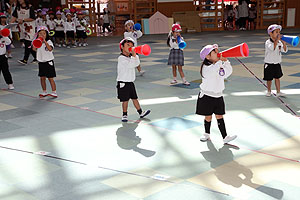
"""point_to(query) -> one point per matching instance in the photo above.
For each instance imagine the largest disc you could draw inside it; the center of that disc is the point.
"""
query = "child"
(59, 29)
(176, 57)
(134, 35)
(38, 20)
(106, 22)
(46, 64)
(210, 101)
(51, 25)
(272, 68)
(69, 29)
(4, 41)
(3, 20)
(81, 26)
(44, 19)
(127, 62)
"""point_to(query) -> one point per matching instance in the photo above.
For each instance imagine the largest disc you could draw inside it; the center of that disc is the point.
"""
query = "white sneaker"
(23, 45)
(59, 45)
(79, 44)
(142, 73)
(11, 87)
(64, 45)
(68, 47)
(268, 94)
(74, 46)
(173, 82)
(9, 55)
(43, 94)
(280, 94)
(84, 44)
(145, 113)
(53, 94)
(186, 83)
(229, 138)
(205, 137)
(124, 118)
(12, 46)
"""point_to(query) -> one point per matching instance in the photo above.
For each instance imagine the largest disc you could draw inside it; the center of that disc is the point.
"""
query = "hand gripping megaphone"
(5, 32)
(181, 42)
(137, 26)
(37, 43)
(293, 40)
(143, 49)
(240, 50)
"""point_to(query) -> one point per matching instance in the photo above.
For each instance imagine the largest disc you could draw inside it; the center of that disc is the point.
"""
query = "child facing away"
(70, 30)
(3, 23)
(134, 34)
(127, 62)
(46, 62)
(176, 57)
(213, 70)
(4, 67)
(272, 67)
(59, 29)
(81, 26)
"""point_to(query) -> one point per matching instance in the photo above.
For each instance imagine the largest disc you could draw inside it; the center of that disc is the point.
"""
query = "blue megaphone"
(181, 43)
(293, 40)
(137, 26)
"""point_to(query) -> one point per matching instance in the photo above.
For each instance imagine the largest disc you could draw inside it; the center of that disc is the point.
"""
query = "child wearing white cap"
(59, 29)
(273, 49)
(70, 31)
(127, 62)
(46, 61)
(134, 34)
(210, 101)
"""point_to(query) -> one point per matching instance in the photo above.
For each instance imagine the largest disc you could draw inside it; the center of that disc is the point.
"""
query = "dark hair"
(205, 62)
(125, 41)
(47, 35)
(18, 6)
(169, 39)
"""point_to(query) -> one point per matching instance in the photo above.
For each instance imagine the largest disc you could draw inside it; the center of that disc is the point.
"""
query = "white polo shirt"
(273, 56)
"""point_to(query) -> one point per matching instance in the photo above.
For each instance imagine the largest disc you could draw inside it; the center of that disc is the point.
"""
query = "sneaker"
(53, 94)
(79, 44)
(84, 44)
(64, 45)
(74, 46)
(280, 94)
(23, 62)
(68, 47)
(268, 94)
(23, 45)
(173, 82)
(142, 73)
(186, 83)
(11, 87)
(124, 118)
(205, 137)
(229, 138)
(59, 45)
(145, 113)
(9, 55)
(34, 61)
(12, 46)
(43, 94)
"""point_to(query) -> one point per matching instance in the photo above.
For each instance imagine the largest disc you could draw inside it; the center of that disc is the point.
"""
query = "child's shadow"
(127, 139)
(234, 174)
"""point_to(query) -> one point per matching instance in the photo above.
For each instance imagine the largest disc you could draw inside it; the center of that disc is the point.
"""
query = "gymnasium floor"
(76, 148)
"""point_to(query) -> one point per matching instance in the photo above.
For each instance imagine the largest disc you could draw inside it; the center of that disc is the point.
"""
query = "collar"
(271, 40)
(126, 56)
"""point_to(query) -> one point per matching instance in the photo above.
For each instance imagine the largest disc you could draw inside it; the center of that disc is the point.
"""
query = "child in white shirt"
(210, 101)
(46, 62)
(59, 29)
(81, 26)
(70, 30)
(127, 62)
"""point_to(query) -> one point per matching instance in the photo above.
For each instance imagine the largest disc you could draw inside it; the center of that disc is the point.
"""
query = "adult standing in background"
(25, 16)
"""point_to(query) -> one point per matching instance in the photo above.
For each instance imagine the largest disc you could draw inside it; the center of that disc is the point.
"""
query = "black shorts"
(81, 34)
(251, 19)
(70, 34)
(272, 71)
(127, 91)
(59, 34)
(47, 69)
(207, 105)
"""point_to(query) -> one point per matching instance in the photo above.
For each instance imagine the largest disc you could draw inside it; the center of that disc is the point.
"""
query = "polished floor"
(76, 148)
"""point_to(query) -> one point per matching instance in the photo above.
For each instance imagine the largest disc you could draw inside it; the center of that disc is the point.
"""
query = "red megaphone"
(240, 50)
(5, 32)
(143, 49)
(37, 43)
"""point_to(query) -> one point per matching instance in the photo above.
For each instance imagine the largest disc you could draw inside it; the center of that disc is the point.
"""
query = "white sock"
(174, 78)
(183, 79)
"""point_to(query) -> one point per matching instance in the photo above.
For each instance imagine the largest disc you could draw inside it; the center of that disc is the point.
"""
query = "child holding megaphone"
(135, 33)
(127, 62)
(176, 57)
(272, 67)
(213, 70)
(44, 48)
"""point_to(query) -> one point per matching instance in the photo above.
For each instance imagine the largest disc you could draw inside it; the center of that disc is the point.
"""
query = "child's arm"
(139, 33)
(7, 40)
(49, 46)
(133, 62)
(65, 27)
(270, 46)
(227, 68)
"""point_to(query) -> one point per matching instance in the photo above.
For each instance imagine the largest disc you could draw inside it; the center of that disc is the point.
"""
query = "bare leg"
(174, 71)
(43, 83)
(208, 118)
(125, 106)
(180, 71)
(277, 84)
(269, 85)
(136, 104)
(52, 83)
